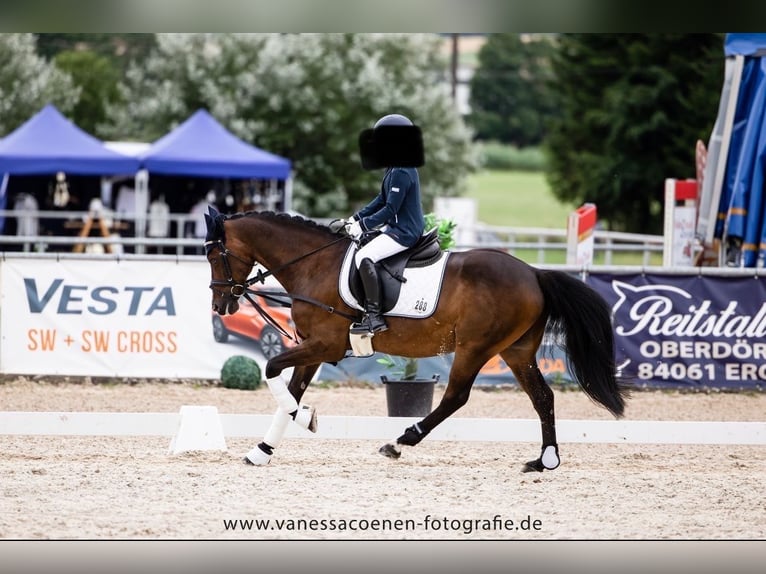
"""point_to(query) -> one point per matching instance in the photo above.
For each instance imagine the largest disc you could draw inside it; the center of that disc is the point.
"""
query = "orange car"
(248, 323)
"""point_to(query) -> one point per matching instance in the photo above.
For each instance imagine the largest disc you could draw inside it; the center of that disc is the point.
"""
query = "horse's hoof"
(549, 460)
(257, 457)
(390, 451)
(533, 466)
(313, 425)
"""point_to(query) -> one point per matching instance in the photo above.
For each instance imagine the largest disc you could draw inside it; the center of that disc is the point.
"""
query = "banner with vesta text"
(124, 318)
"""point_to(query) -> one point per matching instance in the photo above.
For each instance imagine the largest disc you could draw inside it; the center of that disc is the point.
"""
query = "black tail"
(583, 317)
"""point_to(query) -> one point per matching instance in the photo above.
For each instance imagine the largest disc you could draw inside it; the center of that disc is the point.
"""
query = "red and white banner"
(680, 222)
(580, 227)
(108, 318)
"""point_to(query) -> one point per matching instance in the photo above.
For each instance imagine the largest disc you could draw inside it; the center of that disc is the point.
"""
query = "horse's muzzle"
(226, 305)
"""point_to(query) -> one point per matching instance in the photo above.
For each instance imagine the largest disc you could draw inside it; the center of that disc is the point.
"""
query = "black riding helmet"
(392, 120)
(394, 141)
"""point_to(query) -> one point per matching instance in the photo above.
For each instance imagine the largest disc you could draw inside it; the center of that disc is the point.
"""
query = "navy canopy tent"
(48, 143)
(202, 147)
(732, 201)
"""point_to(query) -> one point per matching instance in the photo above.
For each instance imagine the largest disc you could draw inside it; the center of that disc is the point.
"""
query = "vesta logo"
(67, 299)
(671, 311)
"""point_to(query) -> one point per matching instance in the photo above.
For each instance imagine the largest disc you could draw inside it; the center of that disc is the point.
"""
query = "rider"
(396, 212)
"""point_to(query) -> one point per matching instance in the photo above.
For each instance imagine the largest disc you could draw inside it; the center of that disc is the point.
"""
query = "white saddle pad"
(419, 294)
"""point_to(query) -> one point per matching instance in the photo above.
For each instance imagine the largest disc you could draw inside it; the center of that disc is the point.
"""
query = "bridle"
(237, 290)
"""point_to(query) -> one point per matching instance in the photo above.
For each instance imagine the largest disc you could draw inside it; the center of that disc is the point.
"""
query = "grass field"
(524, 199)
(517, 199)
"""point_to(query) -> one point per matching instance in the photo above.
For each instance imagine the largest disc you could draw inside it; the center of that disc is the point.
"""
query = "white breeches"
(379, 248)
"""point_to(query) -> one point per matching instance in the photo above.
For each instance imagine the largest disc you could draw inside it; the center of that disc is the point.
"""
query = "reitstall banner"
(688, 331)
(108, 318)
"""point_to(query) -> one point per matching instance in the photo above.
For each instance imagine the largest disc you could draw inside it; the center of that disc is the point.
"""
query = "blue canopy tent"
(202, 147)
(48, 143)
(732, 200)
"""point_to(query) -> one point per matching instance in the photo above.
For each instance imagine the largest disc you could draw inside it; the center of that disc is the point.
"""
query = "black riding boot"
(372, 322)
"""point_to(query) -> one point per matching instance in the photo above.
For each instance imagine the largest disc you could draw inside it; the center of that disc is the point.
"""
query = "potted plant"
(406, 394)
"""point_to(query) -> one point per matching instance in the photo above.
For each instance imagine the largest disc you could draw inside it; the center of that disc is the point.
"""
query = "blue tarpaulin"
(741, 208)
(202, 147)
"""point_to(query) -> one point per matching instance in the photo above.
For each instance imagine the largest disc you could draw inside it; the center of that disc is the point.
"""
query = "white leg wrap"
(549, 457)
(273, 437)
(277, 428)
(257, 457)
(283, 397)
(306, 418)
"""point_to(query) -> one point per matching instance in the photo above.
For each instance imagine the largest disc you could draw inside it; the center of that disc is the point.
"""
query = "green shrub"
(240, 372)
(499, 156)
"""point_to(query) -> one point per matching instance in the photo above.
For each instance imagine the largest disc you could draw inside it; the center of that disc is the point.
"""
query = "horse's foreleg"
(303, 360)
(287, 398)
(531, 380)
(261, 454)
(288, 408)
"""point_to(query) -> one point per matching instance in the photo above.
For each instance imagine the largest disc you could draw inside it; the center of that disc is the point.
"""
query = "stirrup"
(366, 325)
(361, 328)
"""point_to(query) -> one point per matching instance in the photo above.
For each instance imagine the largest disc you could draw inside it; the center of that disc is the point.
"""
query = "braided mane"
(283, 217)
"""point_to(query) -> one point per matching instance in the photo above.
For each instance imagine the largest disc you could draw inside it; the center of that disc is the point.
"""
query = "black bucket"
(409, 398)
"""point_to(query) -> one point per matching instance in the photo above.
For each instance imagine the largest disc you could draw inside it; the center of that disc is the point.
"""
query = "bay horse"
(491, 303)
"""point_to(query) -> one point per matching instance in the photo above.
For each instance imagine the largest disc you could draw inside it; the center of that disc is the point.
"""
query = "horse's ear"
(212, 211)
(214, 225)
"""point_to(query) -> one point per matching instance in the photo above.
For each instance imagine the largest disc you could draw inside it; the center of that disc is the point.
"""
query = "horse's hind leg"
(526, 371)
(288, 408)
(464, 369)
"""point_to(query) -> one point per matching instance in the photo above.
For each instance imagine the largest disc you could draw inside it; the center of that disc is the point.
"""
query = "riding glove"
(338, 225)
(354, 230)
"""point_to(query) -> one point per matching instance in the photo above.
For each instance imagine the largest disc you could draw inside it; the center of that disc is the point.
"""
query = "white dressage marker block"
(199, 429)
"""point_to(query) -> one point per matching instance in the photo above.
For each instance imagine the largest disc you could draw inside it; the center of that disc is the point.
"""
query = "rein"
(240, 289)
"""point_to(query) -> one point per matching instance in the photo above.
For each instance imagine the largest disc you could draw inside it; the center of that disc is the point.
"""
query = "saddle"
(391, 269)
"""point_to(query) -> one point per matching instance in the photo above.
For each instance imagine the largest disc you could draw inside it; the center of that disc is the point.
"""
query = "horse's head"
(229, 271)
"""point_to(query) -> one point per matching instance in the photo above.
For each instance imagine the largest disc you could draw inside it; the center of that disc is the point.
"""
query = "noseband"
(236, 290)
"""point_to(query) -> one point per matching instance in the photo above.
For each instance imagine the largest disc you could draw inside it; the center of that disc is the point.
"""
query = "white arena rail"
(385, 428)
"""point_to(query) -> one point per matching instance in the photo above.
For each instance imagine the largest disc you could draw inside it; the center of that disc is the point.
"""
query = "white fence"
(545, 241)
(112, 241)
(519, 241)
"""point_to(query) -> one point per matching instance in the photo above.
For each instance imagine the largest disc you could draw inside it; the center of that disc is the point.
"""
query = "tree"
(510, 98)
(97, 79)
(632, 107)
(28, 82)
(306, 97)
(119, 49)
(96, 63)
